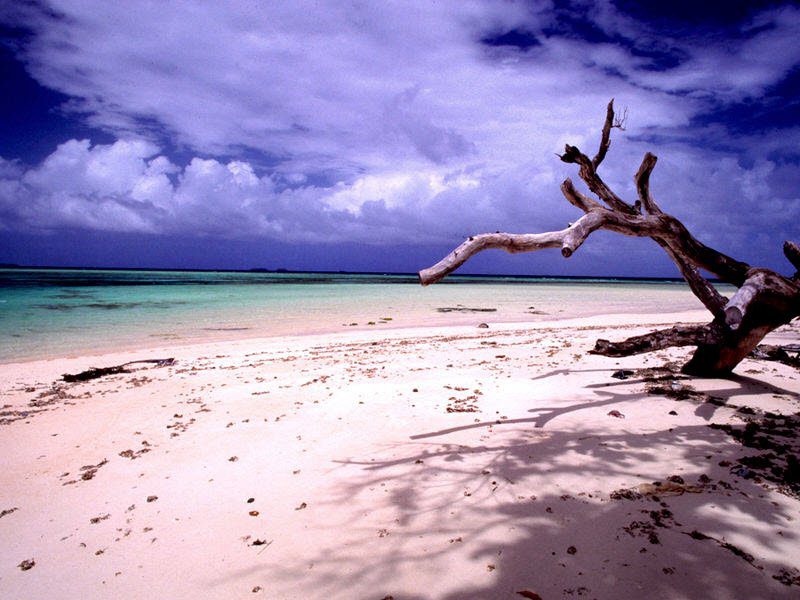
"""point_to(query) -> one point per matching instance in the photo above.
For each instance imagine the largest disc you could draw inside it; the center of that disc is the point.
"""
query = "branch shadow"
(574, 538)
(523, 505)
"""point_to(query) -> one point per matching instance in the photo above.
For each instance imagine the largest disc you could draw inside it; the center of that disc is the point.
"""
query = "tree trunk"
(765, 299)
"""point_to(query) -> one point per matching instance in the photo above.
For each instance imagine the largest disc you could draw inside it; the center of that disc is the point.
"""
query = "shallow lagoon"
(54, 312)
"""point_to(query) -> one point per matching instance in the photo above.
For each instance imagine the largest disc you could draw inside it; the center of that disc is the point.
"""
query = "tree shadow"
(547, 414)
(577, 537)
(526, 504)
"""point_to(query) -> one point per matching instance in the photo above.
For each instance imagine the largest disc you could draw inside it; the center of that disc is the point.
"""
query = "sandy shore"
(419, 463)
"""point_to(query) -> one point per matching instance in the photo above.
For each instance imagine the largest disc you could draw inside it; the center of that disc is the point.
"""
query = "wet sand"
(442, 463)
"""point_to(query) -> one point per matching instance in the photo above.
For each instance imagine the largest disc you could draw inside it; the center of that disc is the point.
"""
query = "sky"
(376, 136)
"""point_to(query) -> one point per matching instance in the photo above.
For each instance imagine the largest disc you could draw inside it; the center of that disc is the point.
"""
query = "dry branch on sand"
(764, 301)
(96, 372)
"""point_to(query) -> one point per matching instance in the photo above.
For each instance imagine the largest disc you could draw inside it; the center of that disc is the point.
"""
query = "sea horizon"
(411, 274)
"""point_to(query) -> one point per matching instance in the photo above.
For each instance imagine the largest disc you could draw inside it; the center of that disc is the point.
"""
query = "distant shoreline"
(281, 271)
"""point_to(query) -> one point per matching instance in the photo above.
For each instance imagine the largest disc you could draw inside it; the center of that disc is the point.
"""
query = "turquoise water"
(54, 312)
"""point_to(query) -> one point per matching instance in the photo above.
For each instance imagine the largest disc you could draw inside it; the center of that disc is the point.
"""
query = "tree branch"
(642, 180)
(764, 301)
(700, 286)
(577, 199)
(568, 240)
(605, 137)
(680, 335)
(706, 292)
(587, 172)
(777, 298)
(683, 243)
(792, 253)
(737, 306)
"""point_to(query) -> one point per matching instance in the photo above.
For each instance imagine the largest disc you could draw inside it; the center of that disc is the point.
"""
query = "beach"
(435, 462)
(410, 300)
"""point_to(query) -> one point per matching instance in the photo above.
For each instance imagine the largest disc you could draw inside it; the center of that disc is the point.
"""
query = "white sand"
(365, 486)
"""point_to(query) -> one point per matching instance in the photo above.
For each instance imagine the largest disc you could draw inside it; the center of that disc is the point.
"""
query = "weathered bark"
(792, 252)
(765, 299)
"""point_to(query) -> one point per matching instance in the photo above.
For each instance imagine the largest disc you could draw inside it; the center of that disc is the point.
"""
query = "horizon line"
(282, 271)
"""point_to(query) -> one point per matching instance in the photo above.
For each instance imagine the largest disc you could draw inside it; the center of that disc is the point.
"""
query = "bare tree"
(764, 301)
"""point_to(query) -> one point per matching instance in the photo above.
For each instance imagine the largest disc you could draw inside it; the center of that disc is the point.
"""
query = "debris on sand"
(96, 372)
(88, 472)
(134, 454)
(775, 435)
(696, 535)
(674, 486)
(788, 576)
(464, 309)
(27, 565)
(95, 520)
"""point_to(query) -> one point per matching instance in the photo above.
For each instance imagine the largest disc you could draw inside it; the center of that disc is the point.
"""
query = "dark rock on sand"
(622, 374)
(27, 565)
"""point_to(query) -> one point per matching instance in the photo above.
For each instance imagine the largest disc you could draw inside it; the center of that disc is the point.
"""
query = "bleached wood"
(679, 335)
(764, 301)
(744, 296)
(568, 240)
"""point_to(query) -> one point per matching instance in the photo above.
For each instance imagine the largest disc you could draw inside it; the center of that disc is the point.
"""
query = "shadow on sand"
(521, 505)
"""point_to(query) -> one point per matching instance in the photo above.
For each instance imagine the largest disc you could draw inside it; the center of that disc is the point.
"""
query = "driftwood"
(781, 354)
(764, 301)
(94, 373)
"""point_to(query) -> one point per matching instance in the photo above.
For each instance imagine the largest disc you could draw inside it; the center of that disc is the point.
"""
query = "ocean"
(67, 312)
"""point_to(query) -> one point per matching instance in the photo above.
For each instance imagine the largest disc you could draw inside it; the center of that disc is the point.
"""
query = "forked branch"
(764, 301)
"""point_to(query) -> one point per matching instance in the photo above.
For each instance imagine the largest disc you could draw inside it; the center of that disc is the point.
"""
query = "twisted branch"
(679, 335)
(764, 301)
(700, 286)
(568, 240)
(642, 180)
